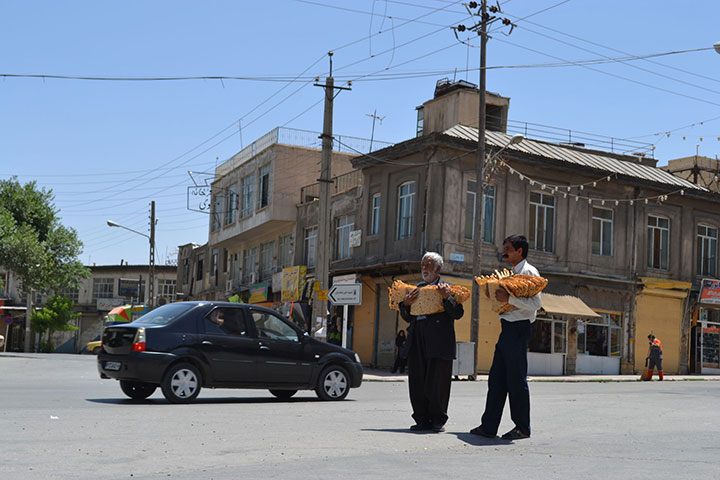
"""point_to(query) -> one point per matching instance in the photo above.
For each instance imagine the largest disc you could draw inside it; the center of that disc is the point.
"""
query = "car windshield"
(165, 314)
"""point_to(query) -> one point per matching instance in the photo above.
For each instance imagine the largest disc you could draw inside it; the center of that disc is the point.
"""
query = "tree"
(54, 317)
(34, 245)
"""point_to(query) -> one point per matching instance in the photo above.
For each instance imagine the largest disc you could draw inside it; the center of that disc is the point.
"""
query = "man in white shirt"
(508, 373)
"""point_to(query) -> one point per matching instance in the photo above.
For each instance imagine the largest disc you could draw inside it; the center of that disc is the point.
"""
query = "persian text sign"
(198, 198)
(710, 291)
(292, 282)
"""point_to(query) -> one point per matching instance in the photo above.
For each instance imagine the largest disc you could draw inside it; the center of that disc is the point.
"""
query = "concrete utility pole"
(322, 267)
(151, 280)
(481, 28)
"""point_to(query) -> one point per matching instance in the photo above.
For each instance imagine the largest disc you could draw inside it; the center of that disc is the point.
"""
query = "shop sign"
(710, 291)
(258, 292)
(292, 282)
(107, 304)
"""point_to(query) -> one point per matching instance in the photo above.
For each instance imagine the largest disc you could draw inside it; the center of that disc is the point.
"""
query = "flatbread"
(519, 286)
(428, 302)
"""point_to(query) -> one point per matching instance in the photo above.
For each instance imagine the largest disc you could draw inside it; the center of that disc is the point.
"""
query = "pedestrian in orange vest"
(655, 356)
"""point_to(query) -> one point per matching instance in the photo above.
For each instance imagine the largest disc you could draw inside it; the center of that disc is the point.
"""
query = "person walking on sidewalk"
(432, 350)
(655, 356)
(401, 343)
(508, 373)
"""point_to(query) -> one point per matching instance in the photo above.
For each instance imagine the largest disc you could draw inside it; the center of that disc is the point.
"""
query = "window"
(186, 271)
(225, 321)
(216, 212)
(343, 227)
(264, 187)
(249, 262)
(214, 264)
(707, 250)
(199, 267)
(72, 293)
(248, 194)
(310, 250)
(658, 242)
(542, 222)
(102, 288)
(166, 288)
(231, 204)
(600, 337)
(267, 253)
(235, 271)
(488, 217)
(549, 335)
(375, 215)
(270, 326)
(285, 251)
(406, 210)
(602, 231)
(420, 121)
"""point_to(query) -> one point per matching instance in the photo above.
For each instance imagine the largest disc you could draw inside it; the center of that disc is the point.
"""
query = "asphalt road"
(59, 420)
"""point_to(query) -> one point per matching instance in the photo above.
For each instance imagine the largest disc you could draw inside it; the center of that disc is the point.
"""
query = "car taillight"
(139, 341)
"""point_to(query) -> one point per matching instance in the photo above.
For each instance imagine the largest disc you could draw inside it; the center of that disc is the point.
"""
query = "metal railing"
(340, 183)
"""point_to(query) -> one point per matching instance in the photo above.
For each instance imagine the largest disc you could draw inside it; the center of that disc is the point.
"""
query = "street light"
(716, 46)
(151, 238)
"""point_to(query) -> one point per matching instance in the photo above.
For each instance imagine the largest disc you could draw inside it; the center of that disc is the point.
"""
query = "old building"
(252, 217)
(613, 233)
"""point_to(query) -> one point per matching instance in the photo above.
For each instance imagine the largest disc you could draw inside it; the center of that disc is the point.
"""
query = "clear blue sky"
(106, 148)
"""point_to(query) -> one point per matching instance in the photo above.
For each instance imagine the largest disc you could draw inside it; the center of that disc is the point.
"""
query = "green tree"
(54, 317)
(34, 245)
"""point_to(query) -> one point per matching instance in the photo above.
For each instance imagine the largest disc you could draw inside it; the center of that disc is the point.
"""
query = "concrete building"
(252, 216)
(612, 232)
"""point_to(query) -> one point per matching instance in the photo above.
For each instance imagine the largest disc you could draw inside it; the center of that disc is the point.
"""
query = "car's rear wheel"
(96, 350)
(182, 383)
(333, 383)
(283, 394)
(137, 390)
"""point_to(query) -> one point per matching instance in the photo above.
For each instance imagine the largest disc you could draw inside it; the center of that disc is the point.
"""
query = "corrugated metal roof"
(584, 159)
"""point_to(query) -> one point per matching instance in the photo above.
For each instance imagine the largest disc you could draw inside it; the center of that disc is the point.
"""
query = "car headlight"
(357, 358)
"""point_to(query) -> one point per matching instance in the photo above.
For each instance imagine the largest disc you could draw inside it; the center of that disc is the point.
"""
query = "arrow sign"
(345, 294)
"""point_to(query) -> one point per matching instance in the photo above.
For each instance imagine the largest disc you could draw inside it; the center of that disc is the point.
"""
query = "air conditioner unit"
(162, 301)
(228, 285)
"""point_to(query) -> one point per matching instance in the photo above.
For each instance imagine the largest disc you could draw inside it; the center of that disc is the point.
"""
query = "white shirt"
(525, 308)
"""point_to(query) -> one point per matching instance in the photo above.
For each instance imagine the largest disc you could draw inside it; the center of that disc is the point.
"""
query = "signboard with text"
(345, 294)
(710, 291)
(292, 282)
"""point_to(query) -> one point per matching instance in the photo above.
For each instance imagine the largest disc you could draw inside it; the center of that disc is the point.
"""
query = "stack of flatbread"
(515, 285)
(429, 301)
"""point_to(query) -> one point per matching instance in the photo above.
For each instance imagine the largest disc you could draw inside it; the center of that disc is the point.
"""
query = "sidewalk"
(377, 375)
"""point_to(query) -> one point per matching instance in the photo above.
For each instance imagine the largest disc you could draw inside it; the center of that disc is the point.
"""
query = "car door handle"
(264, 347)
(207, 342)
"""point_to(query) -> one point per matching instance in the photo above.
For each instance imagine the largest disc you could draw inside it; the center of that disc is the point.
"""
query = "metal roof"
(569, 155)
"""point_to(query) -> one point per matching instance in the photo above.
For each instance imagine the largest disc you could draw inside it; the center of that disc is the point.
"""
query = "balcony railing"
(340, 183)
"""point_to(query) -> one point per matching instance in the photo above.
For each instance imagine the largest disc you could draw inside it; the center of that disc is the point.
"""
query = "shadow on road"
(223, 400)
(479, 441)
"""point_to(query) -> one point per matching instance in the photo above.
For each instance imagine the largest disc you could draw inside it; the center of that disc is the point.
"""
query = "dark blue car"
(182, 347)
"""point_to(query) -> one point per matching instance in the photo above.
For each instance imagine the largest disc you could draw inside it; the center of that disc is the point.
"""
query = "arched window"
(707, 236)
(406, 210)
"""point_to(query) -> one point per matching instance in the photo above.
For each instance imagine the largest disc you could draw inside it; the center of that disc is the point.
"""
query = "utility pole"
(372, 133)
(481, 28)
(151, 280)
(322, 267)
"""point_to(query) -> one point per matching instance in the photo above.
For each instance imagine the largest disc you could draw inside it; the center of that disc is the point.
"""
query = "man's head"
(651, 337)
(430, 266)
(515, 248)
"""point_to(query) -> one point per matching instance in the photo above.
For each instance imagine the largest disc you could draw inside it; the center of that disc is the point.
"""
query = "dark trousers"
(508, 378)
(655, 361)
(400, 362)
(428, 379)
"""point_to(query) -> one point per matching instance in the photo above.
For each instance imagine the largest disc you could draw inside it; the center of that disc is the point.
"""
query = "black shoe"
(420, 427)
(479, 431)
(515, 434)
(437, 428)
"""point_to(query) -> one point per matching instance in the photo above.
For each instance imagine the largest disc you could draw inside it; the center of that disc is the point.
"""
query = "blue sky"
(107, 148)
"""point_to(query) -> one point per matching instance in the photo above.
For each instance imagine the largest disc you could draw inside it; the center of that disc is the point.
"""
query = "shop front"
(554, 338)
(705, 348)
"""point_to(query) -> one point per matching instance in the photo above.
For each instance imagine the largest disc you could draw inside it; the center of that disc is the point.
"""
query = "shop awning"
(566, 305)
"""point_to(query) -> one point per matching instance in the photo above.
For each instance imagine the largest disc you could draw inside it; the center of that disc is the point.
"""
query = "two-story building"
(623, 243)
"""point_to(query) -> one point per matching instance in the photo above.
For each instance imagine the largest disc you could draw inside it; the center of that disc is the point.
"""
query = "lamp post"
(151, 238)
(716, 46)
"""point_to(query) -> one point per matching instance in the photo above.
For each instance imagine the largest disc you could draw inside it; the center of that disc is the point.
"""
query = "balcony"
(341, 183)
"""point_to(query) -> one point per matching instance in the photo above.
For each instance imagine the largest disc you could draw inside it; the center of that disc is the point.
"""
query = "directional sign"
(345, 294)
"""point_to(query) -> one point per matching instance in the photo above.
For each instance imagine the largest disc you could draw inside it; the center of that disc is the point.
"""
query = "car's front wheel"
(182, 383)
(333, 383)
(283, 394)
(137, 390)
